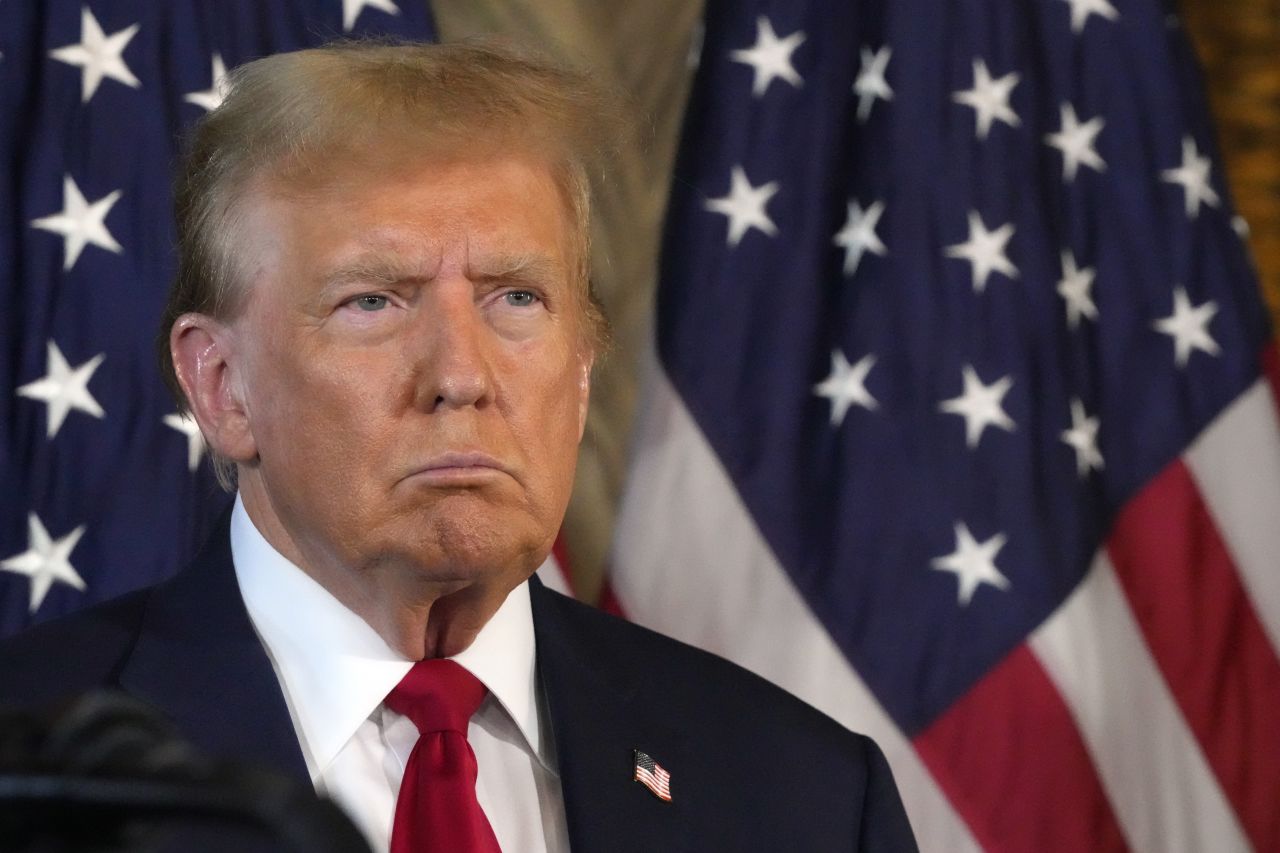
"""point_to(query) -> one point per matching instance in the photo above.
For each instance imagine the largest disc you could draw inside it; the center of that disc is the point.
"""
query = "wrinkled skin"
(406, 387)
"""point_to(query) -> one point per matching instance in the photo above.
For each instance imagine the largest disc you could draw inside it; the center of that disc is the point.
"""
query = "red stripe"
(1271, 367)
(1207, 640)
(561, 552)
(1009, 757)
(609, 602)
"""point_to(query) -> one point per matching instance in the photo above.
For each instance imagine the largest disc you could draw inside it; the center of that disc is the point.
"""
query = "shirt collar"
(336, 670)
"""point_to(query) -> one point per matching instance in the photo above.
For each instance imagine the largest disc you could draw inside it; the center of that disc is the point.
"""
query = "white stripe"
(689, 562)
(553, 575)
(1236, 464)
(1160, 786)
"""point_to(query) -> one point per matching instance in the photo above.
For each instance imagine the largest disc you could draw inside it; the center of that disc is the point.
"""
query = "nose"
(454, 367)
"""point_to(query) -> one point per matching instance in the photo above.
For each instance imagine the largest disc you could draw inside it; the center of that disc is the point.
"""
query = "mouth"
(459, 468)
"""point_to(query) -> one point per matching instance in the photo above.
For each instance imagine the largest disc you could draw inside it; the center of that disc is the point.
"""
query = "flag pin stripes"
(652, 775)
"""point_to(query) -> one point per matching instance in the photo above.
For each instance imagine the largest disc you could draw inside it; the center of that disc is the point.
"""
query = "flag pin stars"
(652, 775)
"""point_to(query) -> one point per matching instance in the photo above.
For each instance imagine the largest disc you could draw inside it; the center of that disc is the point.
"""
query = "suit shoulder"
(70, 654)
(704, 683)
(716, 726)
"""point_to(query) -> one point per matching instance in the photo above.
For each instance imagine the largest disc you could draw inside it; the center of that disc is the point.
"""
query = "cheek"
(313, 410)
(554, 403)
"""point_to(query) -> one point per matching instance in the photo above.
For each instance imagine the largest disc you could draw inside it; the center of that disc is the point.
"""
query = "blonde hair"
(284, 116)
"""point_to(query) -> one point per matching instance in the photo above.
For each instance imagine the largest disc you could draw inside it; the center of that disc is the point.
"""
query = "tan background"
(642, 48)
(1239, 44)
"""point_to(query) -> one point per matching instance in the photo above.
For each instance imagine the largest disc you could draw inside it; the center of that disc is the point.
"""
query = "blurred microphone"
(106, 774)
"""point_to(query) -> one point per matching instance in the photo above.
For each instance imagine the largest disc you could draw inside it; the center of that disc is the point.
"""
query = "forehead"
(501, 212)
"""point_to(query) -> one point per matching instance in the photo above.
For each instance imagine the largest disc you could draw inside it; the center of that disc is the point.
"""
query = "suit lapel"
(599, 716)
(198, 659)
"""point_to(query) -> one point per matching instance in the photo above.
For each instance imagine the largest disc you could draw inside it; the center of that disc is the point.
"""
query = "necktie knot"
(437, 807)
(438, 695)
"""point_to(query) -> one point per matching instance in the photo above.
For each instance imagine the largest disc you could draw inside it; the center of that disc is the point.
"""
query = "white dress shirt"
(335, 672)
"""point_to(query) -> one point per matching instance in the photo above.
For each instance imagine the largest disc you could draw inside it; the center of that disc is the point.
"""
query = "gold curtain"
(1238, 42)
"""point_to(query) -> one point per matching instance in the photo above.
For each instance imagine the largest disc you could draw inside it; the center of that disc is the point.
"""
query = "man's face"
(414, 367)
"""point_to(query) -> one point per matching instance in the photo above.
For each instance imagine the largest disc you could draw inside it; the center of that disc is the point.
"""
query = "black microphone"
(106, 774)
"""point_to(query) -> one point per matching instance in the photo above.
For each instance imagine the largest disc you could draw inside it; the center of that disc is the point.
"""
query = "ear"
(206, 359)
(585, 363)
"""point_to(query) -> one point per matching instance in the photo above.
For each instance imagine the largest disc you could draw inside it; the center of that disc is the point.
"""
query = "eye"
(370, 302)
(520, 298)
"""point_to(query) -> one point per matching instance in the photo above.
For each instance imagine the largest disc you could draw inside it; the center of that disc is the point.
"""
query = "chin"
(471, 549)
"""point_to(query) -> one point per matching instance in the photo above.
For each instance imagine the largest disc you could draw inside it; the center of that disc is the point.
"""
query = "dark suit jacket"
(752, 768)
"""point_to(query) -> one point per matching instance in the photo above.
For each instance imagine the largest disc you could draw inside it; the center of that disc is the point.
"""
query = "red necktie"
(437, 809)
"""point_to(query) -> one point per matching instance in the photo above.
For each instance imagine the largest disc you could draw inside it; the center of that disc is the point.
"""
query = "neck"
(421, 619)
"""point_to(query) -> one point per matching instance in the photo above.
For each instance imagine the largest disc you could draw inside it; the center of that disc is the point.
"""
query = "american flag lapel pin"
(652, 775)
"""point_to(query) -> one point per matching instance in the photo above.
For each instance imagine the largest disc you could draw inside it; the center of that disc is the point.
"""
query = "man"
(382, 323)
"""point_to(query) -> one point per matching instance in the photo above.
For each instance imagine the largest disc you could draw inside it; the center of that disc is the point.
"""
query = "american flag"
(652, 775)
(958, 424)
(103, 490)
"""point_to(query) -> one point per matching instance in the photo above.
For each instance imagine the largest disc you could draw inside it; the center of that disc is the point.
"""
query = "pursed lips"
(459, 467)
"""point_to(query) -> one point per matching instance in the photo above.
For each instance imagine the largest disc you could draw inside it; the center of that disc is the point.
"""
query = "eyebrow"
(385, 269)
(522, 267)
(389, 269)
